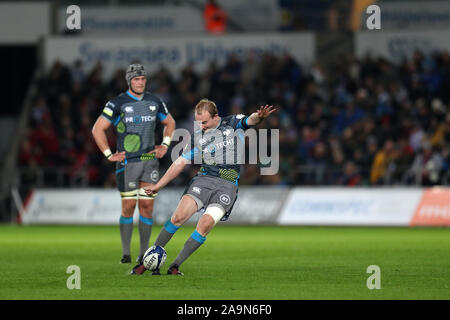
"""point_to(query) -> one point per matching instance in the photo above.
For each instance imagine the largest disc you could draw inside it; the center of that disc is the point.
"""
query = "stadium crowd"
(358, 122)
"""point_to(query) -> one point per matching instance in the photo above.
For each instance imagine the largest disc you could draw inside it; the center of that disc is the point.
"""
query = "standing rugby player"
(134, 114)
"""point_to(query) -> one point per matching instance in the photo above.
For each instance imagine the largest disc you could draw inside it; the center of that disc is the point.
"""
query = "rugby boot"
(125, 259)
(173, 270)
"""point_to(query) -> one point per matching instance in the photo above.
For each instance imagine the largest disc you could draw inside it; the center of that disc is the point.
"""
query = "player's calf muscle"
(205, 224)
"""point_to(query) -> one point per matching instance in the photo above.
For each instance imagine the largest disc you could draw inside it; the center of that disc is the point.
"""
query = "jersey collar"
(218, 125)
(133, 97)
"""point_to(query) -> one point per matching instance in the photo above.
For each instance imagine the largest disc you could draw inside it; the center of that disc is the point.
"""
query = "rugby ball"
(154, 258)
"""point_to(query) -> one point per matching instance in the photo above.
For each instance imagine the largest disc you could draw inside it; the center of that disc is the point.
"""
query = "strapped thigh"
(144, 196)
(133, 194)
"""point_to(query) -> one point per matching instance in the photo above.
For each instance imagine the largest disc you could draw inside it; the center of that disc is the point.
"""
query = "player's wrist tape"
(107, 153)
(166, 141)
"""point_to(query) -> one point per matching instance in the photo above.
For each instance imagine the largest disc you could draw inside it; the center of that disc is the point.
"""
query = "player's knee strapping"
(133, 194)
(216, 212)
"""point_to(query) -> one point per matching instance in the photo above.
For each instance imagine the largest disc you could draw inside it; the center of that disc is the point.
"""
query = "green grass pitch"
(236, 262)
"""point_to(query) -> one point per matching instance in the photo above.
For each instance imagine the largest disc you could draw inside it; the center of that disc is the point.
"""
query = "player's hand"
(117, 157)
(151, 189)
(265, 111)
(160, 151)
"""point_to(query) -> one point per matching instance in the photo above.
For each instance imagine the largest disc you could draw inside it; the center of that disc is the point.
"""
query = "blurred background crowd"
(355, 122)
(358, 105)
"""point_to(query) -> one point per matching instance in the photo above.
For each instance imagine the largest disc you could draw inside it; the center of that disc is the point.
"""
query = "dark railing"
(306, 175)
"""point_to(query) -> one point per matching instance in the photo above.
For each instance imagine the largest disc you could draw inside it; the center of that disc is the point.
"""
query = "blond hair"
(206, 105)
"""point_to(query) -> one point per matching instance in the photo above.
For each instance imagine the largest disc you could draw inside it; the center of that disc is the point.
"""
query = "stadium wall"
(174, 52)
(23, 23)
(400, 44)
(259, 205)
(143, 20)
(416, 15)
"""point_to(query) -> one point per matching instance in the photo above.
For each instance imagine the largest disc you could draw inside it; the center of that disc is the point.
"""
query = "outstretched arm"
(263, 112)
(171, 173)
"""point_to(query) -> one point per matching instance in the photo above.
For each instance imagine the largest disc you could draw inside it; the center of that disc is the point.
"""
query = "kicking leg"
(205, 224)
(185, 209)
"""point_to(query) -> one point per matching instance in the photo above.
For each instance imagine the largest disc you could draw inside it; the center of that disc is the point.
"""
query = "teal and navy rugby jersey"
(217, 147)
(135, 122)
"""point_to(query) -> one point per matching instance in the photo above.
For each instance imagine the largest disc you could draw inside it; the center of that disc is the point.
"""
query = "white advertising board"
(258, 205)
(90, 206)
(103, 206)
(343, 206)
(67, 206)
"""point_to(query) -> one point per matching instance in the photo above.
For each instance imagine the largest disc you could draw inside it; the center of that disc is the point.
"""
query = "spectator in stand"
(39, 110)
(350, 176)
(30, 155)
(46, 136)
(77, 73)
(215, 18)
(381, 164)
(347, 117)
(427, 165)
(318, 164)
(349, 110)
